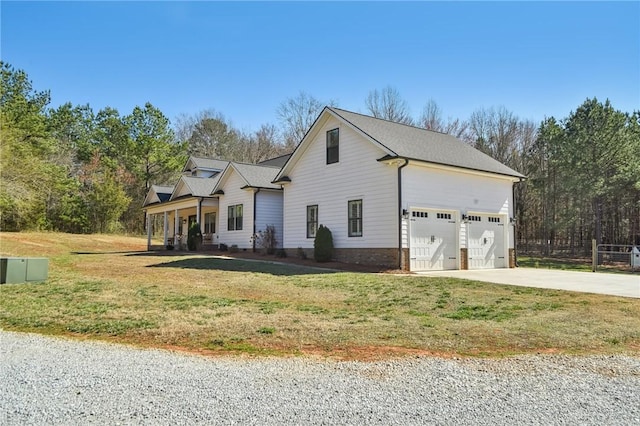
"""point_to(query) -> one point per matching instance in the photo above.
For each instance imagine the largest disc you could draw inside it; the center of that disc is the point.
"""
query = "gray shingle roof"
(208, 163)
(200, 187)
(424, 145)
(276, 162)
(258, 176)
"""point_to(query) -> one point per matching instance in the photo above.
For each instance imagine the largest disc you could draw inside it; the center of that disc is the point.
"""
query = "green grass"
(213, 305)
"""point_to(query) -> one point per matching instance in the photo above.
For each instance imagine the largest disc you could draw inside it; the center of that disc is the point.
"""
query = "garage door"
(486, 242)
(433, 236)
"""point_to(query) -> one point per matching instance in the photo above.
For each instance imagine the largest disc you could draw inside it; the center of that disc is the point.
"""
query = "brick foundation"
(464, 258)
(385, 257)
(512, 258)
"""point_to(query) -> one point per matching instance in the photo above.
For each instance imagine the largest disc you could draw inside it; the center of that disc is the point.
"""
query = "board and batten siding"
(269, 212)
(357, 175)
(433, 187)
(233, 194)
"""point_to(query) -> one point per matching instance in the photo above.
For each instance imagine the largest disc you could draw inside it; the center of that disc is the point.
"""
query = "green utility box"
(14, 270)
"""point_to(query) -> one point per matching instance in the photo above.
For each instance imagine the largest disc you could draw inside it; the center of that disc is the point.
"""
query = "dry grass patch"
(109, 288)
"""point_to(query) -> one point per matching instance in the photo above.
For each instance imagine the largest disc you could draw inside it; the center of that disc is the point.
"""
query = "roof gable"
(253, 175)
(158, 194)
(194, 186)
(201, 163)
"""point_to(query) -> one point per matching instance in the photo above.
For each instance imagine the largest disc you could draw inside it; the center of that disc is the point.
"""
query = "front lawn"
(107, 287)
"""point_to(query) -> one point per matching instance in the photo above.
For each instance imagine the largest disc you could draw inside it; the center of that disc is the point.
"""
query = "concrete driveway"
(626, 285)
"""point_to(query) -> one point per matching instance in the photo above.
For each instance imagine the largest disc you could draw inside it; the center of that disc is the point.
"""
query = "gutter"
(406, 163)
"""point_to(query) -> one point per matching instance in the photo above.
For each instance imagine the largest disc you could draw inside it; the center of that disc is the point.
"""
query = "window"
(234, 219)
(494, 219)
(355, 218)
(443, 215)
(209, 223)
(333, 143)
(312, 221)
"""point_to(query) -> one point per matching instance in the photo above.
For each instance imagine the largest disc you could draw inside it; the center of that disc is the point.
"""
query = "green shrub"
(323, 245)
(194, 237)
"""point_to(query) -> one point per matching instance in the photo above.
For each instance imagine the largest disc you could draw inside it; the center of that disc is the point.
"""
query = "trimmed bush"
(194, 237)
(323, 245)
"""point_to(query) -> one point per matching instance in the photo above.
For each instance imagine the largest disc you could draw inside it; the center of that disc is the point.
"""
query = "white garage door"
(486, 241)
(433, 236)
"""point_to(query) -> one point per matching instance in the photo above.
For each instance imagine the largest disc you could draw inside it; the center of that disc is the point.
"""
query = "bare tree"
(262, 145)
(296, 116)
(389, 105)
(496, 132)
(431, 119)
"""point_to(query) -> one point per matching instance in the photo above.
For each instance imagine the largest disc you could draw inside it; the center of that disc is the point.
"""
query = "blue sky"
(536, 59)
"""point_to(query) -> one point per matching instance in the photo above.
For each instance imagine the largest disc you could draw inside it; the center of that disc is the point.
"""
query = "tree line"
(72, 169)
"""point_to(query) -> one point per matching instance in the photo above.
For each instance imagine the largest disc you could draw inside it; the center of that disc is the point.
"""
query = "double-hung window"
(234, 218)
(333, 146)
(355, 218)
(312, 221)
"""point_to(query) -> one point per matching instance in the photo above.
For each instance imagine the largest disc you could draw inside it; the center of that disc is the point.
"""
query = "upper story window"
(355, 218)
(312, 221)
(333, 146)
(234, 218)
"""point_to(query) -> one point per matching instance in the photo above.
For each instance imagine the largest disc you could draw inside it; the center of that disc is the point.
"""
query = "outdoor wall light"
(405, 213)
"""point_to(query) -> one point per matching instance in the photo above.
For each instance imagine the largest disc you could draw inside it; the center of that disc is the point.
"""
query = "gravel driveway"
(47, 380)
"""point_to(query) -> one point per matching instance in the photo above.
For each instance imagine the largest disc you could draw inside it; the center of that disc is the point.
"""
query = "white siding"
(357, 175)
(234, 195)
(269, 212)
(432, 187)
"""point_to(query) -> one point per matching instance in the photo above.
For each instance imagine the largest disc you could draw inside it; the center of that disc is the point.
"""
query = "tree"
(296, 115)
(154, 155)
(213, 137)
(388, 105)
(431, 119)
(25, 150)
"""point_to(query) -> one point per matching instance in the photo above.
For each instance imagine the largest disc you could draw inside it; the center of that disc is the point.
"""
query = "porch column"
(166, 228)
(176, 224)
(148, 231)
(198, 213)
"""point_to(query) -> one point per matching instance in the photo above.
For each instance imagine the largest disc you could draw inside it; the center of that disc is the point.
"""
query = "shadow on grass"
(128, 253)
(236, 265)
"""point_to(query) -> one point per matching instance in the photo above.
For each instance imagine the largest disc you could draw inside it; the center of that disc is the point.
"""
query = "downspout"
(406, 162)
(253, 238)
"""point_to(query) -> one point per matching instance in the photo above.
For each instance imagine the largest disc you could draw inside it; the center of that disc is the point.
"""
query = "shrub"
(301, 253)
(281, 253)
(323, 245)
(267, 239)
(194, 237)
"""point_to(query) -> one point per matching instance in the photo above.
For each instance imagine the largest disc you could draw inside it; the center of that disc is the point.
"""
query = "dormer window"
(333, 144)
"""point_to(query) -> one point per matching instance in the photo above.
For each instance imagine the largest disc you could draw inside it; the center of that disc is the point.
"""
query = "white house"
(397, 195)
(248, 203)
(232, 202)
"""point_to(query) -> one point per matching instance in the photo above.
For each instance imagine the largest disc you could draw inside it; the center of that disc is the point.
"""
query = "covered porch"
(167, 224)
